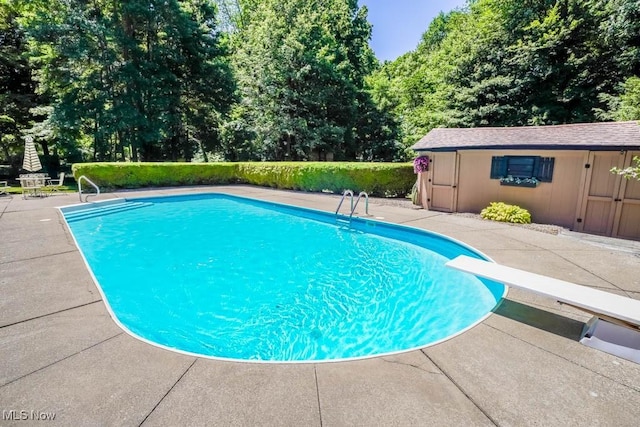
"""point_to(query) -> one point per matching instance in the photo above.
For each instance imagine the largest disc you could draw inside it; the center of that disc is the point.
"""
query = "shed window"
(540, 168)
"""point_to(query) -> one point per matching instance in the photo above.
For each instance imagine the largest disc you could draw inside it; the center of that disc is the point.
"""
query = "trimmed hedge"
(377, 179)
(136, 175)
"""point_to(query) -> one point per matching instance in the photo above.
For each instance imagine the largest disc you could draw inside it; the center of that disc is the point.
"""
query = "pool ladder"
(353, 205)
(90, 183)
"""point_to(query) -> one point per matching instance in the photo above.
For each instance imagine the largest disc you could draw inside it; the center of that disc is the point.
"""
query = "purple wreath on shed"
(421, 164)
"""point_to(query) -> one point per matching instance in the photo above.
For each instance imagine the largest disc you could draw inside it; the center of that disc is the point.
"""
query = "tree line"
(517, 63)
(209, 80)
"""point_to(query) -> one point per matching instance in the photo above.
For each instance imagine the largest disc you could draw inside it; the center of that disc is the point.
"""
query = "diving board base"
(614, 339)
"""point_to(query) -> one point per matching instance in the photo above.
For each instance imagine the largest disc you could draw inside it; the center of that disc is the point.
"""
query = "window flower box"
(519, 182)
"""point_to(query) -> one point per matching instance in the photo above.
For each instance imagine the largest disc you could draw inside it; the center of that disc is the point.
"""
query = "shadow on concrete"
(550, 322)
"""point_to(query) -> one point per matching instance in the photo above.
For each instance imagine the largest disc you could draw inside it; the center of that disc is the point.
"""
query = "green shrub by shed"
(499, 211)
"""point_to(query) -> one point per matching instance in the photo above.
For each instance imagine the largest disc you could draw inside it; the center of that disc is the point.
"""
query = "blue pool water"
(229, 277)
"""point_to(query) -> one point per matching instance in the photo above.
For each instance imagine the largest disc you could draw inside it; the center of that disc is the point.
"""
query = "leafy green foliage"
(626, 106)
(17, 88)
(300, 67)
(133, 79)
(377, 179)
(135, 175)
(502, 212)
(414, 195)
(516, 63)
(631, 172)
(241, 80)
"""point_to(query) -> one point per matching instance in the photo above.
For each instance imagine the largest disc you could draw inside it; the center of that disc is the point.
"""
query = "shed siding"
(583, 199)
(602, 188)
(628, 225)
(553, 202)
(443, 176)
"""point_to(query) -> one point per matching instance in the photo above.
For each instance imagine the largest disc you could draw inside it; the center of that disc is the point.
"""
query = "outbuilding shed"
(561, 174)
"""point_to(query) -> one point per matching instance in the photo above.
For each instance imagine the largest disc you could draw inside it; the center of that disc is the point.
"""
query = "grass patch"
(17, 189)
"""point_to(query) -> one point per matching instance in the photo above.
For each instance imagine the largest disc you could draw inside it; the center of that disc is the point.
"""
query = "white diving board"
(615, 327)
(602, 304)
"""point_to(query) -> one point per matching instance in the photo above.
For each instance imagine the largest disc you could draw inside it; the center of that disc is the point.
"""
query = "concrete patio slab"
(517, 382)
(543, 262)
(390, 391)
(606, 263)
(559, 334)
(472, 222)
(29, 346)
(544, 241)
(436, 226)
(116, 382)
(33, 248)
(522, 366)
(17, 204)
(21, 226)
(35, 286)
(486, 240)
(224, 393)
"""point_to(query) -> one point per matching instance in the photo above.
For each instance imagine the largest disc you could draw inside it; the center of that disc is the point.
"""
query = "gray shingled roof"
(602, 136)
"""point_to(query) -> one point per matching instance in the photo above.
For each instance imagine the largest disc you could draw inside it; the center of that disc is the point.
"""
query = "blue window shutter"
(498, 167)
(544, 169)
(537, 161)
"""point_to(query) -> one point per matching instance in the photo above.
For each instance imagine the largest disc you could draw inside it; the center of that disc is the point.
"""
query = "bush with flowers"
(421, 164)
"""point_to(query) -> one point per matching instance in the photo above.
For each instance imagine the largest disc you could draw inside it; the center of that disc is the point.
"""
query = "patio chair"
(55, 184)
(3, 187)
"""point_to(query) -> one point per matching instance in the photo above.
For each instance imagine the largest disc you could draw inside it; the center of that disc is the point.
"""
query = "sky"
(398, 25)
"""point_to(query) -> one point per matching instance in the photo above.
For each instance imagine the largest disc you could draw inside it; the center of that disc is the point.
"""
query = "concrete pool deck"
(62, 354)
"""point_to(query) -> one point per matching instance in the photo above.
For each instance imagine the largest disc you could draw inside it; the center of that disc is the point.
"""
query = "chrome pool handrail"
(366, 204)
(91, 183)
(345, 194)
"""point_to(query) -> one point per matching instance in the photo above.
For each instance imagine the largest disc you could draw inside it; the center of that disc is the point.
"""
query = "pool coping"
(523, 365)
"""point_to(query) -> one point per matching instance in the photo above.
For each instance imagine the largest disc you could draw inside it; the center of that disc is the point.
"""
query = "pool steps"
(104, 210)
(343, 220)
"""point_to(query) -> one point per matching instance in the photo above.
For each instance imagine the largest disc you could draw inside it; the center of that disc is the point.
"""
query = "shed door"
(627, 216)
(443, 181)
(601, 190)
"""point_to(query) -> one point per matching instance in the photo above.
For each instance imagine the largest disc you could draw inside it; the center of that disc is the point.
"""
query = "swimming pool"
(228, 277)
